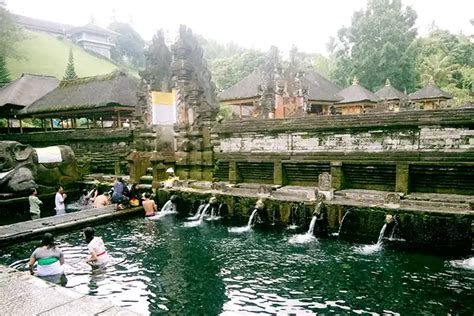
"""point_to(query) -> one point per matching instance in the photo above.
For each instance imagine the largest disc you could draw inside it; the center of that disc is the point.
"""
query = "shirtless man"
(101, 200)
(149, 205)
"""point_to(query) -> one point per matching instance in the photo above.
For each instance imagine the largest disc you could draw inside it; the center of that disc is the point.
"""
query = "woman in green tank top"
(49, 258)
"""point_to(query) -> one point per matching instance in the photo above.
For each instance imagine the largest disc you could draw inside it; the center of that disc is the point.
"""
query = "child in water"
(98, 254)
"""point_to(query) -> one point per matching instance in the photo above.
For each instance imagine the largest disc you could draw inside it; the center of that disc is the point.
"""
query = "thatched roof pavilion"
(430, 97)
(389, 93)
(246, 93)
(23, 91)
(109, 97)
(355, 99)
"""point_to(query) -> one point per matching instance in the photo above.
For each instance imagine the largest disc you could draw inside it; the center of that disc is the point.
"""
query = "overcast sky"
(251, 23)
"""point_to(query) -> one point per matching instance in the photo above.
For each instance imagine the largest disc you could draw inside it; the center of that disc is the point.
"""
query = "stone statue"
(23, 167)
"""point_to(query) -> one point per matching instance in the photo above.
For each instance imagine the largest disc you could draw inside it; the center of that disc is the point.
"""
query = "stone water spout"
(253, 219)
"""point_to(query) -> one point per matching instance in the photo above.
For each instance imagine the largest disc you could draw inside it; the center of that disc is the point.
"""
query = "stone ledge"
(23, 294)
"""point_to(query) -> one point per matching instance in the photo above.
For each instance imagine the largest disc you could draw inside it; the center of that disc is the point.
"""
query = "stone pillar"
(337, 175)
(402, 183)
(233, 172)
(133, 164)
(117, 170)
(278, 175)
(159, 170)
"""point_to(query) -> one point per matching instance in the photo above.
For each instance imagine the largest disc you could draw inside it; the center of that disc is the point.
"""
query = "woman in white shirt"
(98, 254)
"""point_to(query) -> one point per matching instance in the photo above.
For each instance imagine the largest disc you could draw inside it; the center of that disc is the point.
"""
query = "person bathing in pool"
(98, 254)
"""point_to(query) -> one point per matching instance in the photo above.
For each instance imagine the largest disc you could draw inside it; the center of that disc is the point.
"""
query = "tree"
(438, 67)
(228, 71)
(9, 35)
(70, 73)
(129, 45)
(377, 46)
(4, 75)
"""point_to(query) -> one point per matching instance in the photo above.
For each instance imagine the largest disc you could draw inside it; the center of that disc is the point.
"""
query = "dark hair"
(84, 192)
(33, 190)
(58, 187)
(89, 234)
(147, 195)
(120, 179)
(47, 240)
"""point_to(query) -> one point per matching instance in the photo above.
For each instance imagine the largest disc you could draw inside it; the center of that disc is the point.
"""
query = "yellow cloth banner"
(163, 107)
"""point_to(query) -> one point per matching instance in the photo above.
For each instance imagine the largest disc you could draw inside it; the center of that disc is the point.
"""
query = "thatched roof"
(244, 89)
(320, 88)
(26, 90)
(389, 93)
(431, 91)
(357, 94)
(116, 89)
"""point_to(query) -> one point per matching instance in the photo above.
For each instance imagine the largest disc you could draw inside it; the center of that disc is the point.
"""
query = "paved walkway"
(23, 294)
(30, 229)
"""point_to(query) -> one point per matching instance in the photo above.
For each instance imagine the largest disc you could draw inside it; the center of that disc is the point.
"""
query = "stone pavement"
(24, 294)
(30, 229)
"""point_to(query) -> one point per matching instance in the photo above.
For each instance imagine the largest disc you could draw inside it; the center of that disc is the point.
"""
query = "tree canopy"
(377, 46)
(129, 45)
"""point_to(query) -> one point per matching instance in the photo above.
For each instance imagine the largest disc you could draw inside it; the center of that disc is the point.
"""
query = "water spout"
(370, 249)
(307, 237)
(249, 226)
(340, 225)
(168, 209)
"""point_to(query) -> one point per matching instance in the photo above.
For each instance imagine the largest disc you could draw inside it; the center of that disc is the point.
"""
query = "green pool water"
(161, 267)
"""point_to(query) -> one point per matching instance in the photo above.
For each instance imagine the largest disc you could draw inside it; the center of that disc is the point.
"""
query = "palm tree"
(438, 67)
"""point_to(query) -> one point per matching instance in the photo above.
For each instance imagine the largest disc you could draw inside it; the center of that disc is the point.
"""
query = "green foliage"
(4, 74)
(10, 34)
(129, 45)
(377, 46)
(230, 70)
(439, 68)
(225, 112)
(70, 73)
(449, 60)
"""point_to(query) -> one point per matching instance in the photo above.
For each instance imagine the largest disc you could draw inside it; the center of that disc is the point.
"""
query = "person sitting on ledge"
(35, 203)
(98, 254)
(119, 195)
(149, 205)
(101, 200)
(168, 183)
(50, 259)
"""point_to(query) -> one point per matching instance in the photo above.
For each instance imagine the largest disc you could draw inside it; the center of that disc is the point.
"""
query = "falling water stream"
(249, 224)
(369, 249)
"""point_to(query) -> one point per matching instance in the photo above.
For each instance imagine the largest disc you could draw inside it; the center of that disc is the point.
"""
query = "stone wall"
(423, 151)
(448, 232)
(97, 150)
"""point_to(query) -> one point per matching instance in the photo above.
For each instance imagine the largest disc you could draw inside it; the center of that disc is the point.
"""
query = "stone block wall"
(421, 151)
(97, 150)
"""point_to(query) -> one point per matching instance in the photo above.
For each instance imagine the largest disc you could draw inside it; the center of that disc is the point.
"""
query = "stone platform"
(23, 294)
(31, 229)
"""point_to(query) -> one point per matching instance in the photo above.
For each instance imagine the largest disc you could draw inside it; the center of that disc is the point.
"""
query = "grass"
(45, 54)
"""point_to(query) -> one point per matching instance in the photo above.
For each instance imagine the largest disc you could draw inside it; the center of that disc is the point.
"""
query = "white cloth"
(49, 154)
(59, 203)
(50, 269)
(97, 245)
